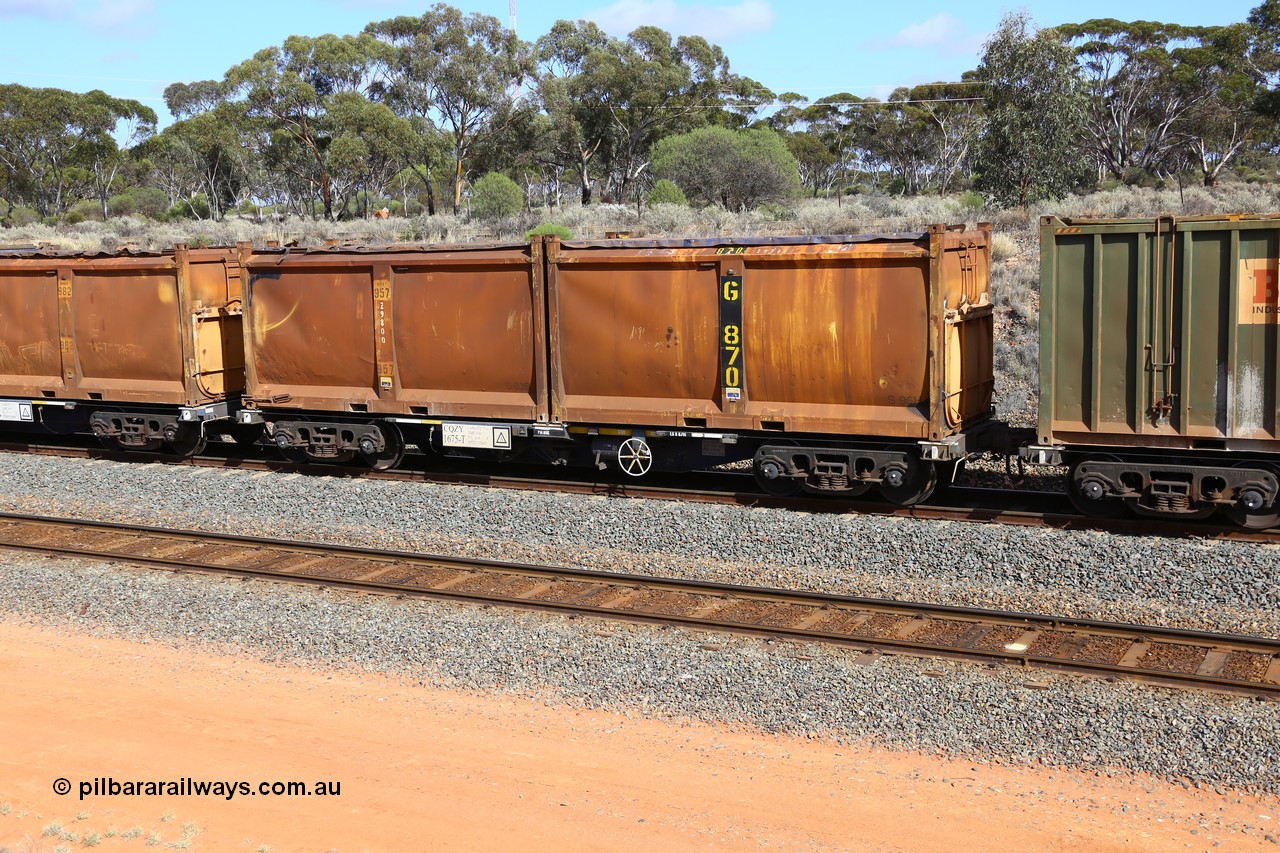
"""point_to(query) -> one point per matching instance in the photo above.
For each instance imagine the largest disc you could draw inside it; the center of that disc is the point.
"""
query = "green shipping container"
(1159, 336)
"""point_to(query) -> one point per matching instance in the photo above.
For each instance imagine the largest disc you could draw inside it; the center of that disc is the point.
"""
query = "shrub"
(972, 201)
(496, 196)
(20, 216)
(738, 170)
(149, 202)
(1002, 247)
(140, 201)
(80, 211)
(550, 229)
(120, 205)
(666, 192)
(777, 212)
(196, 207)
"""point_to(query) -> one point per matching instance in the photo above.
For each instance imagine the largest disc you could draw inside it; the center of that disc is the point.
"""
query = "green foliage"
(86, 209)
(610, 100)
(1032, 145)
(458, 69)
(19, 216)
(496, 196)
(776, 212)
(195, 207)
(735, 169)
(972, 201)
(140, 201)
(54, 143)
(549, 229)
(666, 192)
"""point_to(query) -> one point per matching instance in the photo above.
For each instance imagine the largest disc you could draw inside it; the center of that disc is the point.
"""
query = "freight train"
(837, 365)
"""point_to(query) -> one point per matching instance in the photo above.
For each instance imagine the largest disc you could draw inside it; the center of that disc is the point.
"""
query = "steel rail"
(1185, 658)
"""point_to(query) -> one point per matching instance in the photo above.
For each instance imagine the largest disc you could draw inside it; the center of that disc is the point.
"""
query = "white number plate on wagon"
(484, 436)
(15, 410)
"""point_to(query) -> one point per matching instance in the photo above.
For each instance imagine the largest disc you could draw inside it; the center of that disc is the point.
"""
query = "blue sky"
(134, 48)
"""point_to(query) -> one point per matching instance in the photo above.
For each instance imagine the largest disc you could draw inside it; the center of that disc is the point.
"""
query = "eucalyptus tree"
(1140, 89)
(52, 140)
(1223, 90)
(652, 87)
(1036, 115)
(581, 127)
(460, 73)
(289, 94)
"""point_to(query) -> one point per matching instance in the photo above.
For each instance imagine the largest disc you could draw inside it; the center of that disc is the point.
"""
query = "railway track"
(1168, 656)
(969, 504)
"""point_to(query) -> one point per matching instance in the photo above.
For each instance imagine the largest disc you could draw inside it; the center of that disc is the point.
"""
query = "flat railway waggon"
(1160, 365)
(837, 364)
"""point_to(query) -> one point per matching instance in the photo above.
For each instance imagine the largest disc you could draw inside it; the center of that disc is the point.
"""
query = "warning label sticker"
(15, 410)
(1259, 291)
(483, 436)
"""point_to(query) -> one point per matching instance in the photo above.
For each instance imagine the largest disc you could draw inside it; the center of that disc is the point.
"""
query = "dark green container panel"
(1160, 332)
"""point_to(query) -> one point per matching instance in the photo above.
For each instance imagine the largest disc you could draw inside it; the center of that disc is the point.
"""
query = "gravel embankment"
(1200, 584)
(996, 714)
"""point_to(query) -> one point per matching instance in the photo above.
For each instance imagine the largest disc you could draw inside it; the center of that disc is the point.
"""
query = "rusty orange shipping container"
(143, 348)
(838, 364)
(848, 361)
(352, 348)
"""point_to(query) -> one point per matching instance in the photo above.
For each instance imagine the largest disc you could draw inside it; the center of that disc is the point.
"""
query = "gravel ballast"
(996, 714)
(1210, 585)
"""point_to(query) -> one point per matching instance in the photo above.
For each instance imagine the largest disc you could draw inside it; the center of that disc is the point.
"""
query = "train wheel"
(768, 474)
(189, 441)
(909, 485)
(113, 442)
(1260, 518)
(245, 435)
(1088, 494)
(635, 457)
(392, 453)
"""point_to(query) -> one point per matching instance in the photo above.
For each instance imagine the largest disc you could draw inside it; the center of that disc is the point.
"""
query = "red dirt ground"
(428, 769)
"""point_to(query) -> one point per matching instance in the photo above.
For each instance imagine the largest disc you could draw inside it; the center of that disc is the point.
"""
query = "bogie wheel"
(112, 442)
(245, 435)
(635, 457)
(391, 454)
(288, 452)
(1080, 488)
(1256, 519)
(189, 441)
(768, 474)
(909, 485)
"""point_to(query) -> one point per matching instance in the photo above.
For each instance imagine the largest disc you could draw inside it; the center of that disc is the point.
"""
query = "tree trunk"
(457, 187)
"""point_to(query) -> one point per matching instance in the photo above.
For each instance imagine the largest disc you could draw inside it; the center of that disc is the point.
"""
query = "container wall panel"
(313, 328)
(822, 335)
(430, 331)
(122, 326)
(1160, 332)
(128, 328)
(29, 347)
(467, 337)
